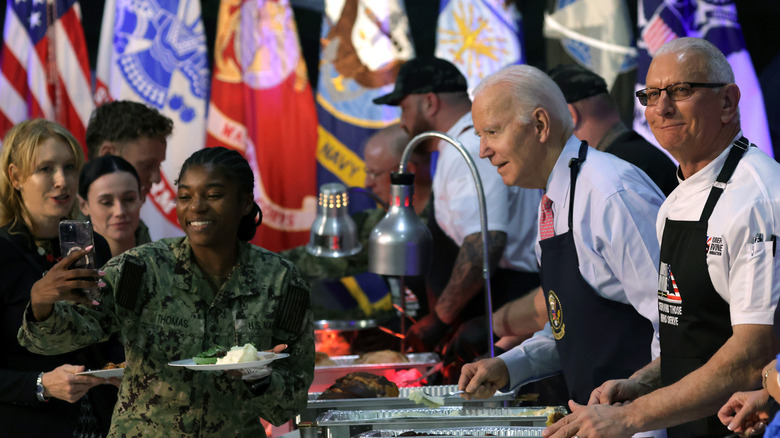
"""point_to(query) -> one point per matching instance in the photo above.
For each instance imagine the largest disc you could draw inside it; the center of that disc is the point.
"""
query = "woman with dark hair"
(41, 394)
(174, 298)
(110, 196)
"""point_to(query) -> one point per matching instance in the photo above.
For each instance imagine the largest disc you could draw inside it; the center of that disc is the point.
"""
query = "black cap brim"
(394, 99)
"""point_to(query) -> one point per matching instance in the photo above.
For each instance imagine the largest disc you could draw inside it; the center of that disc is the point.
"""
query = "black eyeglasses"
(678, 91)
(375, 175)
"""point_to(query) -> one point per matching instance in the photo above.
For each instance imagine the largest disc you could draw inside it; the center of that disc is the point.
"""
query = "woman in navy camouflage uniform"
(177, 297)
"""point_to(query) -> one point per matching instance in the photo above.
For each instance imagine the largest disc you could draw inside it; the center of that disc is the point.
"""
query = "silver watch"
(39, 389)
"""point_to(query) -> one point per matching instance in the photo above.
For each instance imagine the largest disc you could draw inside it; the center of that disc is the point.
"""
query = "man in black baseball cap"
(432, 94)
(424, 74)
(597, 121)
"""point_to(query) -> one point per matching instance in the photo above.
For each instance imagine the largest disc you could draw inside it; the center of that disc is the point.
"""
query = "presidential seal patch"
(555, 313)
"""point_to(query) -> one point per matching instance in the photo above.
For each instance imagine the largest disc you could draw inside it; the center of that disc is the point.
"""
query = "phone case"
(75, 236)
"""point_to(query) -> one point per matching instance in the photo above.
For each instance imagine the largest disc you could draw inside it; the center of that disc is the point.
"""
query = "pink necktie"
(546, 229)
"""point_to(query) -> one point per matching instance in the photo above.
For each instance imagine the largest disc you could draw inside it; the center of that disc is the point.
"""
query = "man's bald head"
(382, 155)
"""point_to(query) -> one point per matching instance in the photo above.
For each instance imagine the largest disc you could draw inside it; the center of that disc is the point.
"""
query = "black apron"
(694, 320)
(597, 339)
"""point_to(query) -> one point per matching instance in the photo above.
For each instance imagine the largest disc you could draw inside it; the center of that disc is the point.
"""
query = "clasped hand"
(746, 413)
(63, 383)
(59, 282)
(604, 414)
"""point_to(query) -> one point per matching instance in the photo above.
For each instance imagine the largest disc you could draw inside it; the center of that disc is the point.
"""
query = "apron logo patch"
(715, 246)
(667, 286)
(669, 299)
(555, 313)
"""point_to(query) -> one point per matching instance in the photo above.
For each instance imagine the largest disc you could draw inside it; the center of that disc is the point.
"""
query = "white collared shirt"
(744, 270)
(615, 208)
(509, 209)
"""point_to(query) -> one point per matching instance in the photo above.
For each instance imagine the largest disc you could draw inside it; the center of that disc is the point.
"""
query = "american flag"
(44, 67)
(656, 33)
(675, 295)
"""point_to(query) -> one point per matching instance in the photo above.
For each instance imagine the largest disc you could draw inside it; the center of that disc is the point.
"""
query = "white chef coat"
(509, 209)
(615, 207)
(744, 270)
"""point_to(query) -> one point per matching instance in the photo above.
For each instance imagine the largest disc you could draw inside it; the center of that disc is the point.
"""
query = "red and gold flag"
(262, 106)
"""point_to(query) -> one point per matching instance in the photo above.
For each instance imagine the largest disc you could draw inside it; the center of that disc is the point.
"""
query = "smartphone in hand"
(75, 236)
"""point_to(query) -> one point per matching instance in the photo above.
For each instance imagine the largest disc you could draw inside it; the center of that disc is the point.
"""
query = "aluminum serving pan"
(344, 424)
(324, 376)
(316, 407)
(344, 324)
(514, 431)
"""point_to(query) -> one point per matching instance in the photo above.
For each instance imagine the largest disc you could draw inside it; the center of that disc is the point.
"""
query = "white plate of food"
(263, 359)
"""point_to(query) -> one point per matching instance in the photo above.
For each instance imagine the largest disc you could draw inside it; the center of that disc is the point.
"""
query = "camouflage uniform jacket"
(142, 236)
(264, 301)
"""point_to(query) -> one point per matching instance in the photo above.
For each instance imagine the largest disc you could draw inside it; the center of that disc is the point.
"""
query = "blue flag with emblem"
(479, 37)
(363, 46)
(154, 52)
(716, 21)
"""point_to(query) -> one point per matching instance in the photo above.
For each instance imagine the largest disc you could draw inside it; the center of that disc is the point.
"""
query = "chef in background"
(718, 282)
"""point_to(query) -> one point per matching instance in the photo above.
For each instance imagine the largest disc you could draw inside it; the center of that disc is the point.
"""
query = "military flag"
(597, 34)
(363, 46)
(262, 105)
(664, 20)
(479, 36)
(44, 68)
(154, 52)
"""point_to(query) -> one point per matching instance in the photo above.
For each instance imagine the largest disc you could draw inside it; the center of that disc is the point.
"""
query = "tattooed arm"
(466, 279)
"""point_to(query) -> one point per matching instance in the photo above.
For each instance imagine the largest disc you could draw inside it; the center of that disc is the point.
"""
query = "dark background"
(759, 20)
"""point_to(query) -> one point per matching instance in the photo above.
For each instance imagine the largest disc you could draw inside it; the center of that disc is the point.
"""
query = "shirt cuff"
(533, 360)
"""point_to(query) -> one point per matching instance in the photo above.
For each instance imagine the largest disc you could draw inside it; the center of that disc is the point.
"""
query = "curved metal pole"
(482, 215)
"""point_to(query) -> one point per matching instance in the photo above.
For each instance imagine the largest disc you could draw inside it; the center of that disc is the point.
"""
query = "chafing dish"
(324, 376)
(344, 324)
(344, 424)
(317, 407)
(515, 431)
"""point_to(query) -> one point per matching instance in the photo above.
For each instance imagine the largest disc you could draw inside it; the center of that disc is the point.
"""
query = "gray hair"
(717, 67)
(532, 89)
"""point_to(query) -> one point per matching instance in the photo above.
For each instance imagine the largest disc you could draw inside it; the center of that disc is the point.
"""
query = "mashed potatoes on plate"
(247, 353)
